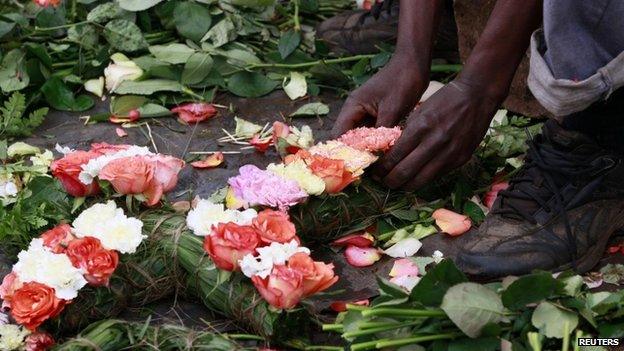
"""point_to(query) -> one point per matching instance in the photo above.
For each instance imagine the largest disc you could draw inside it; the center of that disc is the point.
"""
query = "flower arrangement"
(59, 263)
(130, 170)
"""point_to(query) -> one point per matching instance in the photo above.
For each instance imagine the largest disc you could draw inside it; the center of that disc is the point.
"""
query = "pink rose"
(317, 276)
(195, 112)
(39, 342)
(67, 170)
(283, 288)
(106, 148)
(46, 3)
(274, 226)
(10, 284)
(229, 242)
(58, 238)
(129, 175)
(166, 170)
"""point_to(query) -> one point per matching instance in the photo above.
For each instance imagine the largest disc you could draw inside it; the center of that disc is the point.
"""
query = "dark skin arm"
(394, 91)
(444, 131)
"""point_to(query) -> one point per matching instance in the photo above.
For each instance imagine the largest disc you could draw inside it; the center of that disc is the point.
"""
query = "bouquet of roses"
(130, 169)
(63, 260)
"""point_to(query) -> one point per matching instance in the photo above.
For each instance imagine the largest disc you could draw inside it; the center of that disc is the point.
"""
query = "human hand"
(440, 135)
(386, 97)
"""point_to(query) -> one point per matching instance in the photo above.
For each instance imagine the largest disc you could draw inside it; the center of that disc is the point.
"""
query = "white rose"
(93, 220)
(121, 69)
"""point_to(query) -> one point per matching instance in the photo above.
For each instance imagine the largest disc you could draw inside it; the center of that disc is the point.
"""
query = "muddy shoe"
(558, 212)
(362, 32)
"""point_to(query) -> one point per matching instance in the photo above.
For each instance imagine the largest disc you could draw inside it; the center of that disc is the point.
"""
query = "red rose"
(317, 276)
(87, 253)
(229, 243)
(283, 288)
(39, 342)
(58, 238)
(274, 226)
(195, 112)
(67, 170)
(34, 303)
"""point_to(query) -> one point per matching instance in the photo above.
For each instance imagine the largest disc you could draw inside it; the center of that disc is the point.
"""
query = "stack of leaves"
(445, 311)
(113, 335)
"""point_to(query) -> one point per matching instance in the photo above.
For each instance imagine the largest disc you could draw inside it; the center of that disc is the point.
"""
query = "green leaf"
(553, 321)
(85, 35)
(58, 95)
(13, 122)
(472, 306)
(406, 215)
(173, 53)
(192, 20)
(380, 59)
(121, 105)
(250, 84)
(150, 110)
(481, 344)
(289, 41)
(253, 3)
(529, 289)
(124, 35)
(297, 86)
(105, 12)
(241, 58)
(474, 211)
(436, 282)
(196, 68)
(137, 5)
(613, 273)
(221, 33)
(13, 75)
(311, 109)
(148, 87)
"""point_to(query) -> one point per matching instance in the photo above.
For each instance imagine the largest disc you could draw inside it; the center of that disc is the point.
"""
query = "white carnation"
(39, 264)
(94, 219)
(437, 256)
(12, 337)
(4, 319)
(63, 149)
(252, 266)
(268, 256)
(207, 214)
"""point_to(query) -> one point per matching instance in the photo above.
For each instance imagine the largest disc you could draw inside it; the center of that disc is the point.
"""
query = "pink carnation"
(371, 139)
(257, 187)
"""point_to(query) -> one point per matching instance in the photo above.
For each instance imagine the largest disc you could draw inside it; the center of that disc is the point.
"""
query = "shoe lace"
(556, 168)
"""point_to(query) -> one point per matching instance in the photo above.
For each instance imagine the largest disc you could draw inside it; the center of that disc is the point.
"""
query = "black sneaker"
(362, 32)
(558, 213)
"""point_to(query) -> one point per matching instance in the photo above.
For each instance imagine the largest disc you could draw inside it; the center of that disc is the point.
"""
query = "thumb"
(350, 116)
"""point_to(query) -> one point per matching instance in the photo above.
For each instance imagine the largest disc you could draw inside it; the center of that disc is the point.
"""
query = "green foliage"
(13, 119)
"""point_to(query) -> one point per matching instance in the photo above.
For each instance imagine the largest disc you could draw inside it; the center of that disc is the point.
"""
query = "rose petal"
(261, 145)
(451, 223)
(341, 306)
(361, 257)
(403, 267)
(359, 240)
(211, 161)
(490, 196)
(406, 282)
(404, 248)
(120, 132)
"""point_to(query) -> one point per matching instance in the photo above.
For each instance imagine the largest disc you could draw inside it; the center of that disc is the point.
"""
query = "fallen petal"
(211, 161)
(362, 256)
(120, 132)
(452, 223)
(403, 267)
(404, 248)
(261, 145)
(406, 282)
(358, 239)
(341, 306)
(490, 196)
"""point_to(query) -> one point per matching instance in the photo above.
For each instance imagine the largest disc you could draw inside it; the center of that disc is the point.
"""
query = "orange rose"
(9, 285)
(87, 253)
(58, 238)
(274, 226)
(34, 303)
(39, 342)
(129, 175)
(229, 242)
(67, 170)
(333, 172)
(283, 288)
(317, 276)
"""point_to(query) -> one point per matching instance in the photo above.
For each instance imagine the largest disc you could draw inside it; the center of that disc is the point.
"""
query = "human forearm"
(501, 47)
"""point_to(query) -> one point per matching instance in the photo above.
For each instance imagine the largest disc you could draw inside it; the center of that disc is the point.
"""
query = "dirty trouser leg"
(577, 67)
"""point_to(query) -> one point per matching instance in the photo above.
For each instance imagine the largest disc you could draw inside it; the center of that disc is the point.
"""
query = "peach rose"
(39, 342)
(129, 175)
(58, 238)
(195, 112)
(166, 170)
(34, 303)
(106, 148)
(229, 242)
(317, 276)
(9, 285)
(333, 172)
(98, 263)
(67, 170)
(274, 226)
(283, 288)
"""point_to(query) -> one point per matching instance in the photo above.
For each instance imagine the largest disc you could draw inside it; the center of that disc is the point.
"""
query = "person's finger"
(409, 140)
(387, 117)
(411, 166)
(436, 167)
(350, 116)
